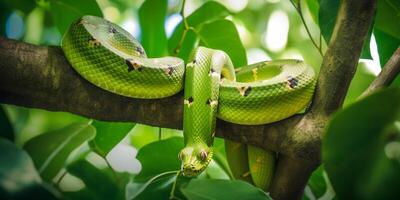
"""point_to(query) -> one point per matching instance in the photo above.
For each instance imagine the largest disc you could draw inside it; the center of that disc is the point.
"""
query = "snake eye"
(203, 155)
(181, 156)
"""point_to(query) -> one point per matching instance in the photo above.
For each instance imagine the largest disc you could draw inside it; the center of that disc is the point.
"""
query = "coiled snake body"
(265, 92)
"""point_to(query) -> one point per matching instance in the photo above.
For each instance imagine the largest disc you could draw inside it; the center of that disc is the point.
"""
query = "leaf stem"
(186, 28)
(112, 170)
(172, 193)
(61, 178)
(298, 9)
(182, 12)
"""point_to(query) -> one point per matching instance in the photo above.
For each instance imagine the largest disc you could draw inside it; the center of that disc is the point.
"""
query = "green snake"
(109, 57)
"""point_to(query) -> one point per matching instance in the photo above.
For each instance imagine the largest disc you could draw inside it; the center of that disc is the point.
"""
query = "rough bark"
(387, 75)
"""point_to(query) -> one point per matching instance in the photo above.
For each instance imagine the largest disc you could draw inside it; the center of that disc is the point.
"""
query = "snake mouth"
(191, 171)
(194, 163)
(194, 169)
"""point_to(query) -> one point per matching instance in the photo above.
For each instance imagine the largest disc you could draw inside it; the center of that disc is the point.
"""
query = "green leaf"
(328, 11)
(222, 35)
(313, 6)
(98, 184)
(366, 52)
(388, 17)
(207, 189)
(159, 157)
(361, 81)
(18, 117)
(24, 6)
(386, 45)
(135, 188)
(159, 188)
(64, 12)
(208, 12)
(317, 183)
(357, 154)
(18, 176)
(6, 129)
(144, 134)
(49, 151)
(108, 134)
(319, 186)
(151, 19)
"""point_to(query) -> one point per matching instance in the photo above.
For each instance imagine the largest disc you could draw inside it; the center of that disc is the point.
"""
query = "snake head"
(195, 159)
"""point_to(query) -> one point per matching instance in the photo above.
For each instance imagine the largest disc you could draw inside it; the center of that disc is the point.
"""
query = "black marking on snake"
(194, 61)
(244, 91)
(112, 30)
(139, 50)
(169, 70)
(292, 82)
(211, 102)
(212, 70)
(247, 92)
(188, 101)
(93, 42)
(130, 66)
(133, 65)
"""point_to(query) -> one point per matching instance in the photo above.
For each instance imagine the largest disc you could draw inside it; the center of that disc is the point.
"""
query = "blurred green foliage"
(63, 146)
(361, 148)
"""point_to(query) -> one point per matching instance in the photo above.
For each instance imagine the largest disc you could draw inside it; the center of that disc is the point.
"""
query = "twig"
(182, 12)
(389, 72)
(172, 192)
(186, 28)
(298, 9)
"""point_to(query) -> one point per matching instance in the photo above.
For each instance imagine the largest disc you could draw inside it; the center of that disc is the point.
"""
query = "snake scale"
(109, 57)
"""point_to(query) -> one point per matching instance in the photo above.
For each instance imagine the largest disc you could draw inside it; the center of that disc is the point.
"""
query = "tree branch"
(340, 60)
(40, 77)
(387, 75)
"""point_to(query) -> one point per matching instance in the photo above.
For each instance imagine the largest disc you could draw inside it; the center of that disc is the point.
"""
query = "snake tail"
(237, 157)
(262, 166)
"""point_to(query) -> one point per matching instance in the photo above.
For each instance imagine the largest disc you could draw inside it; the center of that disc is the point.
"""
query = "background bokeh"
(268, 29)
